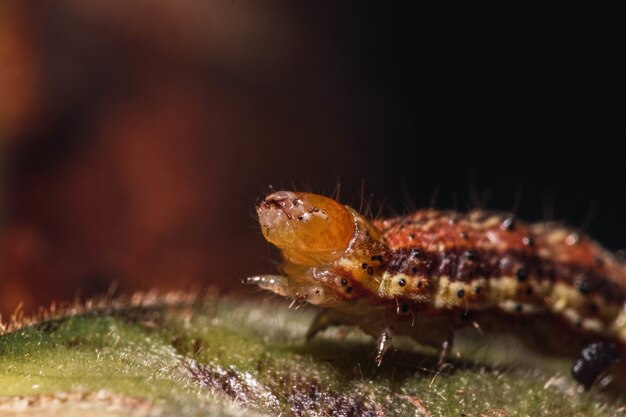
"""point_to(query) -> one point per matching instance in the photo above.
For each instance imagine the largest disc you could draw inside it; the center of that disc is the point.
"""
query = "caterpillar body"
(431, 272)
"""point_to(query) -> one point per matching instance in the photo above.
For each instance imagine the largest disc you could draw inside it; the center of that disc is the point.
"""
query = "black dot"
(518, 308)
(529, 290)
(364, 265)
(344, 281)
(471, 255)
(417, 253)
(404, 307)
(460, 293)
(411, 236)
(370, 270)
(593, 307)
(402, 282)
(373, 257)
(414, 269)
(463, 235)
(521, 274)
(349, 289)
(583, 286)
(477, 290)
(419, 284)
(300, 218)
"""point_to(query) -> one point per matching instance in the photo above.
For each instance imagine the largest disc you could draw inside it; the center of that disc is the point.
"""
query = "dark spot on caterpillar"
(528, 241)
(529, 291)
(518, 308)
(411, 236)
(471, 255)
(364, 265)
(582, 285)
(508, 223)
(404, 307)
(414, 269)
(593, 308)
(478, 289)
(521, 274)
(419, 284)
(377, 258)
(460, 293)
(402, 282)
(463, 235)
(344, 281)
(349, 290)
(464, 315)
(370, 270)
(315, 209)
(578, 324)
(416, 253)
(300, 218)
(289, 216)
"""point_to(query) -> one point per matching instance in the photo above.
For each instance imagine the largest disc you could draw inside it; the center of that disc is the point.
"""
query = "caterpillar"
(428, 273)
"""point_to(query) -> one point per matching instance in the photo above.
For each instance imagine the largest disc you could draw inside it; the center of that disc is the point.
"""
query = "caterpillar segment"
(431, 272)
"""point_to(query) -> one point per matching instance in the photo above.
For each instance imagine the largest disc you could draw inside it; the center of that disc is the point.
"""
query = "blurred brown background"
(136, 136)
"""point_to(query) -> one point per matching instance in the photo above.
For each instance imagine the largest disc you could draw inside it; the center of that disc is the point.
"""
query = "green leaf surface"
(232, 358)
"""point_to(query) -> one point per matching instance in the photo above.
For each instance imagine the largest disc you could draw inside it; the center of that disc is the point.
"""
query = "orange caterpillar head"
(323, 244)
(309, 229)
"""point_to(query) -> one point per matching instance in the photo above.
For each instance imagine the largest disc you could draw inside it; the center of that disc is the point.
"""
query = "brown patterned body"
(430, 272)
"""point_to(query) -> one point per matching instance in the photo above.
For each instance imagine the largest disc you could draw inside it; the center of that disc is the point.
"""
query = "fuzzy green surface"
(243, 358)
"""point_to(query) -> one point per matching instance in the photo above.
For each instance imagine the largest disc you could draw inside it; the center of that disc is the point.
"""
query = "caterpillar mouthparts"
(431, 272)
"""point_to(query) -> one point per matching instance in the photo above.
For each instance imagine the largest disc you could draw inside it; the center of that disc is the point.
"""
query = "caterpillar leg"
(274, 283)
(595, 359)
(382, 344)
(446, 346)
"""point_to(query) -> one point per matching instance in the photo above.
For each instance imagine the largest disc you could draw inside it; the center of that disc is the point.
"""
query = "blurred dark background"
(136, 136)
